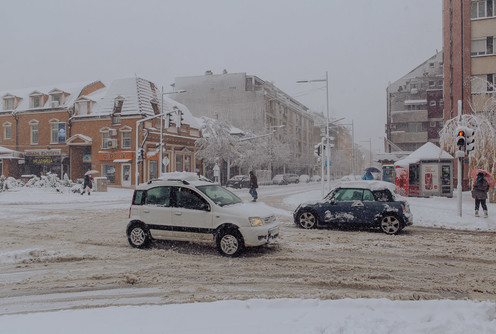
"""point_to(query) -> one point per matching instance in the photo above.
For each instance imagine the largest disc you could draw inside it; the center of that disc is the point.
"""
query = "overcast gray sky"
(363, 44)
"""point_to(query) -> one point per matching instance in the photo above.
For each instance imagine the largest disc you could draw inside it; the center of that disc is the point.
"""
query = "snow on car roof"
(370, 184)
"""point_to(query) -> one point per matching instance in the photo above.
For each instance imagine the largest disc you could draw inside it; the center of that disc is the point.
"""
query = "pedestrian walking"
(479, 193)
(87, 184)
(253, 186)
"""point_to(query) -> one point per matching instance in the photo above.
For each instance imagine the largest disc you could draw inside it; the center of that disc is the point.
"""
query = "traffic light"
(461, 140)
(141, 154)
(179, 118)
(167, 121)
(317, 150)
(470, 139)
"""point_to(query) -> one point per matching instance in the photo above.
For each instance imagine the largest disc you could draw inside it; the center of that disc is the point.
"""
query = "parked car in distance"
(291, 178)
(279, 179)
(304, 178)
(175, 209)
(359, 204)
(315, 178)
(239, 181)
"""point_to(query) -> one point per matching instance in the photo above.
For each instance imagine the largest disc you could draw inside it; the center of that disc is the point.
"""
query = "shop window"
(108, 171)
(7, 130)
(179, 163)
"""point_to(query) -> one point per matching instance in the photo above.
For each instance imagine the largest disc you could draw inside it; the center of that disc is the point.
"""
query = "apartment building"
(250, 103)
(469, 32)
(415, 106)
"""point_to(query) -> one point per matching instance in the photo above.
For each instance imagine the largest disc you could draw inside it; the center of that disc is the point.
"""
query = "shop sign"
(86, 158)
(42, 161)
(114, 155)
(43, 153)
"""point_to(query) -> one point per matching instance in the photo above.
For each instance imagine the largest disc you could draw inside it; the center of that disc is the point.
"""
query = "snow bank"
(267, 316)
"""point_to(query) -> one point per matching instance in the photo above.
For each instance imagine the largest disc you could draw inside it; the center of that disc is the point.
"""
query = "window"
(490, 82)
(478, 9)
(7, 130)
(432, 124)
(189, 199)
(367, 195)
(415, 127)
(36, 101)
(105, 138)
(116, 119)
(153, 168)
(108, 171)
(489, 45)
(34, 132)
(160, 196)
(83, 107)
(57, 131)
(179, 163)
(56, 98)
(8, 104)
(478, 47)
(126, 139)
(432, 84)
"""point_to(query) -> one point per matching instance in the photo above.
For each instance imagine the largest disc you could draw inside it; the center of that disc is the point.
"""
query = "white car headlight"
(256, 221)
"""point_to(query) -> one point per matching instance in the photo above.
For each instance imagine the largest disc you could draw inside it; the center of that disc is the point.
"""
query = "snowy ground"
(293, 315)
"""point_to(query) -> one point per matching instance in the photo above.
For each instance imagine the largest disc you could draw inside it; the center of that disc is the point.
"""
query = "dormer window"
(154, 104)
(116, 114)
(8, 103)
(37, 99)
(56, 100)
(83, 106)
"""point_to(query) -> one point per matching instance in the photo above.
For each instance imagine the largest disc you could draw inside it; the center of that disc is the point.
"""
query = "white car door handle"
(178, 213)
(146, 210)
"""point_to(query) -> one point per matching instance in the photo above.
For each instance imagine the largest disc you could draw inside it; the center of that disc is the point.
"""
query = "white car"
(198, 211)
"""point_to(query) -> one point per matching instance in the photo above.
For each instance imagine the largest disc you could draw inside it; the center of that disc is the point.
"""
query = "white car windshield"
(219, 195)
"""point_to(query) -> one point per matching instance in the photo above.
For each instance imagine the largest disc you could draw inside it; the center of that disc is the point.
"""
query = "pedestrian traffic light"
(470, 140)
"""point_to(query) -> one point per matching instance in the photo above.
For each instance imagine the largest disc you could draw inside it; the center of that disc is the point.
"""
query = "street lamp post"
(328, 148)
(161, 153)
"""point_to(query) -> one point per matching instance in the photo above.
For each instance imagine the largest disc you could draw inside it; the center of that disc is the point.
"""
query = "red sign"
(115, 155)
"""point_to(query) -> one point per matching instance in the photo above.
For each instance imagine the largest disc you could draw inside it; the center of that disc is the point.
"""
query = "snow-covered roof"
(7, 153)
(73, 91)
(138, 95)
(428, 151)
(373, 185)
(234, 131)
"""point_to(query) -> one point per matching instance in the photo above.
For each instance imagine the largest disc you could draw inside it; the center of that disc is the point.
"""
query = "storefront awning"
(6, 153)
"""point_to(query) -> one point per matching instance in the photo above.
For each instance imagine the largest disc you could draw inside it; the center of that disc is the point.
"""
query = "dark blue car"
(361, 203)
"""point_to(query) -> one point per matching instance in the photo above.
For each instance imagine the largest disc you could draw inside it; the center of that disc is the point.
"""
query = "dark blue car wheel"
(307, 220)
(390, 224)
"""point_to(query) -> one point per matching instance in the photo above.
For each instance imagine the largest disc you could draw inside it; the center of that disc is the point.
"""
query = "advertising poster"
(61, 132)
(430, 178)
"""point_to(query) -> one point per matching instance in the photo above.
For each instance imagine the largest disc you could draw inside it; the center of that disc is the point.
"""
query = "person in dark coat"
(479, 193)
(87, 184)
(253, 186)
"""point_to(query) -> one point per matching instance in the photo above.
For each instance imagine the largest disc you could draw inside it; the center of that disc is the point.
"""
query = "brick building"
(74, 128)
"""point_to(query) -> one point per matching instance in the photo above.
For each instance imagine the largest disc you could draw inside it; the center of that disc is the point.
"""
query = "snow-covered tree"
(217, 143)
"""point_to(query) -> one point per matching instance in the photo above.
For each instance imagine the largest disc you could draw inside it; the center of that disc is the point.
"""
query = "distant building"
(250, 103)
(415, 106)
